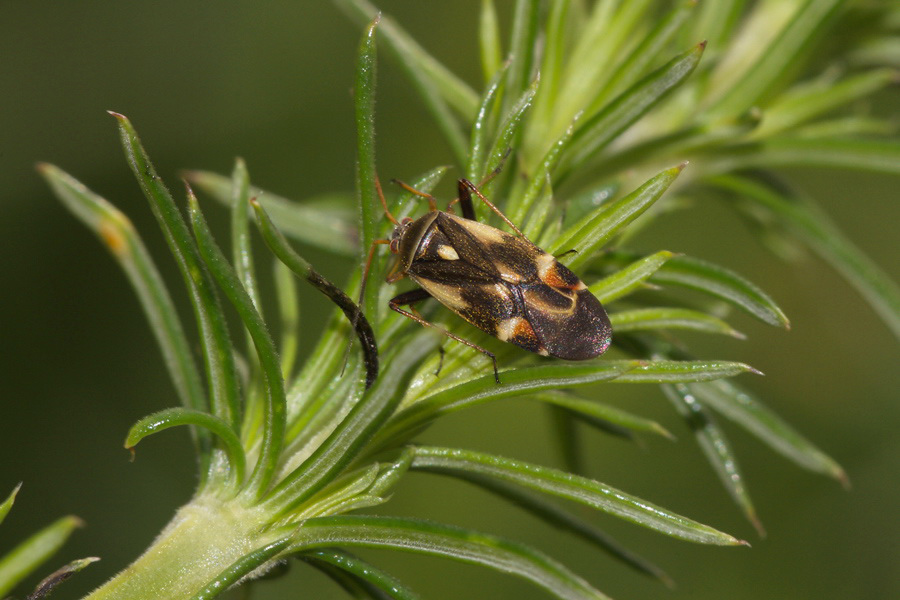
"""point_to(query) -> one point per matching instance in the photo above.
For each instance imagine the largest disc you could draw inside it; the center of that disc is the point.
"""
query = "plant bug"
(499, 282)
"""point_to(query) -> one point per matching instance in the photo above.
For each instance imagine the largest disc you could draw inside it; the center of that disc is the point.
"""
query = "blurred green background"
(204, 82)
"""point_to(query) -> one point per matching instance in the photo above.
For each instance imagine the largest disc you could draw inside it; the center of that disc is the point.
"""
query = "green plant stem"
(205, 537)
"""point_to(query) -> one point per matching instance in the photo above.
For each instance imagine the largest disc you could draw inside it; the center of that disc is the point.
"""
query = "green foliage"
(594, 137)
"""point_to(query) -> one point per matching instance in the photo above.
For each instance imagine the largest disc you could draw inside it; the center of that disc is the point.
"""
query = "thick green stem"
(204, 538)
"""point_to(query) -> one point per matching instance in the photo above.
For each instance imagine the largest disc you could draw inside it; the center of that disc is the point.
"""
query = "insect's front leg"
(413, 296)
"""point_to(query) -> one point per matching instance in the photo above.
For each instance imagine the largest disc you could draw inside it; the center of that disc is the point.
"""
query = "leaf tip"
(43, 168)
(840, 474)
(702, 45)
(119, 116)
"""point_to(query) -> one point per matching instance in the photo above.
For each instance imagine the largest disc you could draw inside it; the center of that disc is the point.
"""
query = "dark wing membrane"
(569, 324)
(467, 245)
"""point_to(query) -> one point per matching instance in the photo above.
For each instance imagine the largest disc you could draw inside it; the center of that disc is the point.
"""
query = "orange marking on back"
(551, 277)
(524, 330)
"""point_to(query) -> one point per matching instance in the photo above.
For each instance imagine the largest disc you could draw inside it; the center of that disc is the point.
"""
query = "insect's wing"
(569, 321)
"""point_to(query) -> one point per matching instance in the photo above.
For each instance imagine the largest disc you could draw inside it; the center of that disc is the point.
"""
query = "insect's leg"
(470, 187)
(387, 213)
(412, 296)
(432, 203)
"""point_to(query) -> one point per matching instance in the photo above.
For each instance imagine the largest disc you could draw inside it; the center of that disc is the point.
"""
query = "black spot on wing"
(451, 272)
(467, 246)
(579, 333)
(489, 305)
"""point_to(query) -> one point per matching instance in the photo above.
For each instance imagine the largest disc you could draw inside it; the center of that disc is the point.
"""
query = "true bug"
(499, 282)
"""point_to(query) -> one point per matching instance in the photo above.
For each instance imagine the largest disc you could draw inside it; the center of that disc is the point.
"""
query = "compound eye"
(406, 220)
(395, 245)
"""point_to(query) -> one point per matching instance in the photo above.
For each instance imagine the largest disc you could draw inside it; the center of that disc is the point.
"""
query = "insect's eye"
(395, 245)
(406, 220)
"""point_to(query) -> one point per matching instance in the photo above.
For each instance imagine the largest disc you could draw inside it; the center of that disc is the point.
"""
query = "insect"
(499, 282)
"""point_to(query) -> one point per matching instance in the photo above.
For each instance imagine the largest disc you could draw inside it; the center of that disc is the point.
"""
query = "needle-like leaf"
(597, 495)
(444, 540)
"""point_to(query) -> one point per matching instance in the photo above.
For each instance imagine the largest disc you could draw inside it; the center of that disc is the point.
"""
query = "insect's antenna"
(490, 176)
(384, 205)
(465, 183)
(432, 203)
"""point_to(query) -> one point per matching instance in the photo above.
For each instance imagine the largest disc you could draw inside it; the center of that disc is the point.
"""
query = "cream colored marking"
(580, 286)
(510, 277)
(482, 231)
(506, 329)
(543, 352)
(447, 295)
(447, 252)
(545, 262)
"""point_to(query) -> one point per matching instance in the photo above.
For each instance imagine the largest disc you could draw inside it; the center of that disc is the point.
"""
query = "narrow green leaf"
(241, 568)
(347, 487)
(49, 583)
(240, 235)
(366, 174)
(716, 448)
(280, 247)
(556, 37)
(602, 44)
(440, 89)
(683, 371)
(435, 539)
(322, 221)
(809, 100)
(478, 144)
(217, 347)
(119, 235)
(173, 417)
(716, 281)
(19, 562)
(596, 229)
(644, 54)
(779, 58)
(604, 412)
(274, 408)
(371, 578)
(809, 223)
(289, 313)
(670, 318)
(8, 503)
(484, 389)
(343, 445)
(509, 130)
(553, 514)
(596, 132)
(540, 182)
(421, 67)
(864, 154)
(522, 43)
(461, 463)
(747, 411)
(630, 277)
(489, 40)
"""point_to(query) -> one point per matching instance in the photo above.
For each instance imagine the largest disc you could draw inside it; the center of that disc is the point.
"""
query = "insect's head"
(397, 235)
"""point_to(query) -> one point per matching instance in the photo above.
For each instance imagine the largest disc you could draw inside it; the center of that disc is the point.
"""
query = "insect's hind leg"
(412, 296)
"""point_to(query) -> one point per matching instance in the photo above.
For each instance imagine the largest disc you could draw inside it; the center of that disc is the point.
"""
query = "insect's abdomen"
(572, 325)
